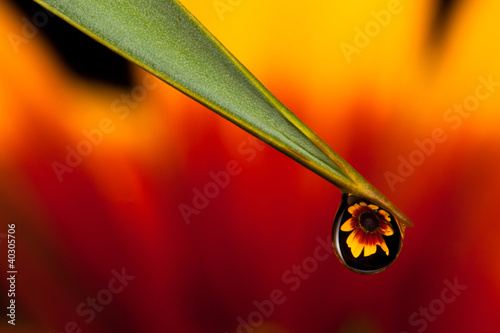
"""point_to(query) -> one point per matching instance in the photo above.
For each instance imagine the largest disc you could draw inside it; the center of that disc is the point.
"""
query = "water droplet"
(366, 238)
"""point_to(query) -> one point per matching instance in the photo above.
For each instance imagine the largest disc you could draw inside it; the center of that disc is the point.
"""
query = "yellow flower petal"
(357, 244)
(385, 229)
(351, 237)
(385, 248)
(370, 249)
(383, 245)
(385, 215)
(373, 207)
(349, 225)
(352, 209)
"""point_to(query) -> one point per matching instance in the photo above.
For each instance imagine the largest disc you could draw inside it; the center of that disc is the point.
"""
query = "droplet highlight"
(366, 238)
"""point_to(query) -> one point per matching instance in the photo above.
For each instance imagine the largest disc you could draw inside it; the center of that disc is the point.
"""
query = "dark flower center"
(369, 221)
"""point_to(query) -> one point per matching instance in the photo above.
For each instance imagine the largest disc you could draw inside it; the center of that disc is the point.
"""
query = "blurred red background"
(103, 245)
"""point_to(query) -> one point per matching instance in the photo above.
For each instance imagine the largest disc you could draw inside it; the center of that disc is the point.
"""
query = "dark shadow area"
(80, 53)
(444, 11)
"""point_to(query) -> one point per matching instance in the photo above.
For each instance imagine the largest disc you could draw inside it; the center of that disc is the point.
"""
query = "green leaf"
(162, 37)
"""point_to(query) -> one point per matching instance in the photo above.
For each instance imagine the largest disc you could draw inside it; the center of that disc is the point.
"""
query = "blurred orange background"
(103, 240)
